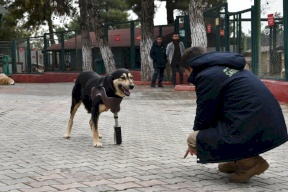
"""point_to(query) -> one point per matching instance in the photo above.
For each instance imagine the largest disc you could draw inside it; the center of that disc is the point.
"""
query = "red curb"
(278, 88)
(184, 88)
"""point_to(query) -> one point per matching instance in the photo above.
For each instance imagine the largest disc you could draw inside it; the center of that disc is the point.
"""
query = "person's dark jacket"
(158, 55)
(238, 117)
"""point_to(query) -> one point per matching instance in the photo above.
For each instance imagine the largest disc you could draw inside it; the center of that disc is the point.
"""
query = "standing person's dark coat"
(158, 55)
(238, 117)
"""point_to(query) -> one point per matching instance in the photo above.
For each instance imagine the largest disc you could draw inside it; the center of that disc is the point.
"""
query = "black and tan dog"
(99, 94)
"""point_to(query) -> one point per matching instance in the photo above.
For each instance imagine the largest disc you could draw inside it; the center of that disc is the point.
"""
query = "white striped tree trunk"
(147, 37)
(198, 31)
(85, 37)
(98, 28)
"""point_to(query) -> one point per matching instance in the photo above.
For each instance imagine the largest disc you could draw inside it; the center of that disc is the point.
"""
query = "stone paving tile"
(155, 124)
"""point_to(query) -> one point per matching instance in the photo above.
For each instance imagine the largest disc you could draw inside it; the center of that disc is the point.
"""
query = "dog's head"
(121, 81)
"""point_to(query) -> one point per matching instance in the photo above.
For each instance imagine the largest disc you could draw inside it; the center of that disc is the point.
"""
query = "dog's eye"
(123, 78)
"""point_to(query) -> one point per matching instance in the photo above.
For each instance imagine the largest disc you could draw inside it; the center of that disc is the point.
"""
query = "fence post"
(227, 28)
(132, 41)
(62, 56)
(28, 53)
(285, 22)
(13, 56)
(45, 52)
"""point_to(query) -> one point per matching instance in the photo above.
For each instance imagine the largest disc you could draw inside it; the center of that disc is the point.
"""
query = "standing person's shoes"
(152, 85)
(160, 85)
(248, 168)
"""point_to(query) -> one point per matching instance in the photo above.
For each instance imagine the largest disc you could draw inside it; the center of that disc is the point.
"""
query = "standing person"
(158, 55)
(237, 117)
(175, 51)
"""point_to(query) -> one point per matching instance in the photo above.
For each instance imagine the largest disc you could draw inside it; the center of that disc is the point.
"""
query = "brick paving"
(155, 123)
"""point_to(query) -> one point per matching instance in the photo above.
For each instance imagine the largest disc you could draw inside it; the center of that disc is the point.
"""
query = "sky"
(271, 6)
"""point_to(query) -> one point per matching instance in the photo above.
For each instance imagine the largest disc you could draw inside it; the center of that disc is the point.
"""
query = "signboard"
(209, 29)
(270, 19)
(182, 33)
(222, 32)
(138, 37)
(117, 38)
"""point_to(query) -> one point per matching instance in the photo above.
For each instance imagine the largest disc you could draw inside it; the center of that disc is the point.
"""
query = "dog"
(99, 94)
(5, 80)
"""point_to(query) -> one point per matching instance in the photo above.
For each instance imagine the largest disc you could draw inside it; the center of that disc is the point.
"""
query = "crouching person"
(237, 117)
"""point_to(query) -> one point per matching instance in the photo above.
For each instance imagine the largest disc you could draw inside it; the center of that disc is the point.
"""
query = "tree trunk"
(85, 37)
(98, 28)
(169, 10)
(197, 26)
(52, 41)
(147, 36)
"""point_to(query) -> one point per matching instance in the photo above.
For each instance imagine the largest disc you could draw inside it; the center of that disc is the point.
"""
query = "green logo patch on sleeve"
(229, 72)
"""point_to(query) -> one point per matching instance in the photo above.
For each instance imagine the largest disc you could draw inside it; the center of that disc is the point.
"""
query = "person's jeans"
(160, 71)
(179, 70)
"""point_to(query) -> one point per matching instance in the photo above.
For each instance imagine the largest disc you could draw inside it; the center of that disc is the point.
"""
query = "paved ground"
(34, 156)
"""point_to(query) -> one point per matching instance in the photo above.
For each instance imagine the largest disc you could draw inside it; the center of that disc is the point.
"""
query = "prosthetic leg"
(117, 131)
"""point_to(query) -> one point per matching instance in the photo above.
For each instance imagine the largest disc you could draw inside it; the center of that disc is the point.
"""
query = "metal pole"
(132, 47)
(285, 23)
(13, 56)
(257, 39)
(62, 62)
(218, 31)
(227, 28)
(45, 52)
(239, 34)
(28, 53)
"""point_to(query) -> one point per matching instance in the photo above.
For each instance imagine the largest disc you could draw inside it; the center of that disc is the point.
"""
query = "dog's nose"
(131, 86)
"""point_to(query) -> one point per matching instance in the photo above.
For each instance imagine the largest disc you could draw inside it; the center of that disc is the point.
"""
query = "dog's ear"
(107, 82)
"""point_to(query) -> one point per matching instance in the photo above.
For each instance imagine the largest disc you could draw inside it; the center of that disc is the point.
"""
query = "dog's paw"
(100, 136)
(98, 144)
(67, 136)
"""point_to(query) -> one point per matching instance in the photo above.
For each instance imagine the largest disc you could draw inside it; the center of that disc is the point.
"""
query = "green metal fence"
(246, 31)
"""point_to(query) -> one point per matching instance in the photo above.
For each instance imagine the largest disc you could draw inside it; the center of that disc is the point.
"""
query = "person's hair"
(175, 34)
(190, 53)
(159, 37)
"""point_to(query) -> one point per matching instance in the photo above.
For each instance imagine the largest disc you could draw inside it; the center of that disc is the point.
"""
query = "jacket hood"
(226, 59)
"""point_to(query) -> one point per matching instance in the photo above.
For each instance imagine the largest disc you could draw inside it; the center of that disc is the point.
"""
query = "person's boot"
(228, 167)
(248, 168)
(160, 85)
(152, 84)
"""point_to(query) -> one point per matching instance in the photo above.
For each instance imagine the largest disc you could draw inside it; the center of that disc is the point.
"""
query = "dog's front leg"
(94, 127)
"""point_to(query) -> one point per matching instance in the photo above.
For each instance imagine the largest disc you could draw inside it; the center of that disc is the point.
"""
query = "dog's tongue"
(126, 91)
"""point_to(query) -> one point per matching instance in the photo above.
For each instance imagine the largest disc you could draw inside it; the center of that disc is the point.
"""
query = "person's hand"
(192, 152)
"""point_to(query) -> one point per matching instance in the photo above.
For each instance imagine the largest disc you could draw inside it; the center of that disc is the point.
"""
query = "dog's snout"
(131, 86)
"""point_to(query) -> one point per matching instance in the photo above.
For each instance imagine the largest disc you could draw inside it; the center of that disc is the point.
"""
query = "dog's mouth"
(125, 90)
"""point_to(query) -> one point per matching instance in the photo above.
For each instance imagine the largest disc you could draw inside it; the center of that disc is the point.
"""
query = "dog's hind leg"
(73, 111)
